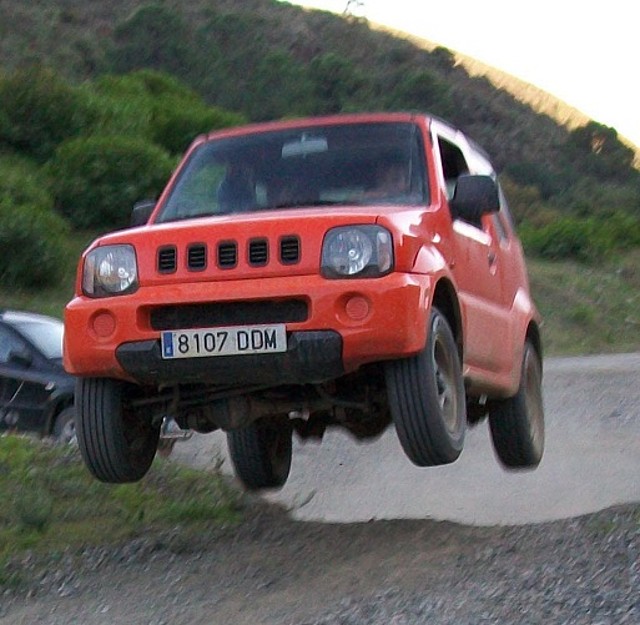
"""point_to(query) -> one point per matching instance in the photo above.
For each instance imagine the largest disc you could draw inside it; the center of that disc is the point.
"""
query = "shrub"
(175, 123)
(152, 105)
(584, 239)
(38, 111)
(21, 182)
(96, 180)
(30, 238)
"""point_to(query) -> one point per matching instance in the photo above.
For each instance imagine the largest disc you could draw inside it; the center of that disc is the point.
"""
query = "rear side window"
(453, 164)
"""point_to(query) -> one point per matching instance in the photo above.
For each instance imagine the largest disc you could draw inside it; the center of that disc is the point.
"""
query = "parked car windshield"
(45, 334)
(364, 163)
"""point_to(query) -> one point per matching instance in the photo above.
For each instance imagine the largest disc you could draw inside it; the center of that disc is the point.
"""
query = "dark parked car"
(36, 394)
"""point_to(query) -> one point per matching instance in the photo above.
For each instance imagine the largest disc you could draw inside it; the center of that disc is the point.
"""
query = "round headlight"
(347, 252)
(110, 270)
(364, 251)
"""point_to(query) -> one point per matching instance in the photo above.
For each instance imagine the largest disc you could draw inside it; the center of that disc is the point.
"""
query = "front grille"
(227, 255)
(228, 313)
(197, 257)
(258, 252)
(167, 259)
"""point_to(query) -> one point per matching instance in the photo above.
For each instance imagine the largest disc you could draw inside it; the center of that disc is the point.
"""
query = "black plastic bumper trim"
(311, 358)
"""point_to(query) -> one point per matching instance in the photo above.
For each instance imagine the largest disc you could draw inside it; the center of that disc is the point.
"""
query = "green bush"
(38, 111)
(564, 238)
(155, 106)
(21, 182)
(175, 123)
(96, 180)
(30, 240)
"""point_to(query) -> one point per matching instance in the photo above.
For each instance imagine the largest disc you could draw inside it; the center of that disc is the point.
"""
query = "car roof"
(318, 121)
(19, 316)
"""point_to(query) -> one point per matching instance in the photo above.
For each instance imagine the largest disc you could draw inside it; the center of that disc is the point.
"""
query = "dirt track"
(274, 570)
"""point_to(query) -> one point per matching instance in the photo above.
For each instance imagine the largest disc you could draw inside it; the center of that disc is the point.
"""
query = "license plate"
(231, 341)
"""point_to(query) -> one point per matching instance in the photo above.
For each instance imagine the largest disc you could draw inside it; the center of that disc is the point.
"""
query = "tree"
(598, 151)
(153, 37)
(335, 80)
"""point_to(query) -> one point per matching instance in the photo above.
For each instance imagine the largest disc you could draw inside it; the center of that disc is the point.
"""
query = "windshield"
(364, 163)
(45, 334)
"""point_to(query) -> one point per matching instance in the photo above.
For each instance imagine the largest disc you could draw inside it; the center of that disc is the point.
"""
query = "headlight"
(357, 252)
(110, 270)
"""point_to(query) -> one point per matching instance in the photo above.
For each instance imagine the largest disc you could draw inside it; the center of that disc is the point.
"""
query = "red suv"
(350, 271)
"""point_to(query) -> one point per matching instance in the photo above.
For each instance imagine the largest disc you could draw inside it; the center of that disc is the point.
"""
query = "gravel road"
(580, 566)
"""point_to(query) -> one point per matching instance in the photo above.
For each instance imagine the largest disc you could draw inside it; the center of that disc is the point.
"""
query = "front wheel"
(116, 443)
(427, 398)
(261, 453)
(517, 423)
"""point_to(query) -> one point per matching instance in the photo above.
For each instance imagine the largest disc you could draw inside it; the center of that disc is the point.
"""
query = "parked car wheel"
(261, 453)
(116, 444)
(64, 426)
(517, 423)
(427, 400)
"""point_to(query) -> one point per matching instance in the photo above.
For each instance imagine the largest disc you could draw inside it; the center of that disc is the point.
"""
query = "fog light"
(103, 324)
(357, 308)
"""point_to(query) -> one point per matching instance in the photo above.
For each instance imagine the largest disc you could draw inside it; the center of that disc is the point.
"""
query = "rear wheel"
(117, 444)
(517, 423)
(427, 399)
(261, 453)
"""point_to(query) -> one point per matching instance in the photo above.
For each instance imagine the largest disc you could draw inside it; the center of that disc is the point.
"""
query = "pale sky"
(583, 52)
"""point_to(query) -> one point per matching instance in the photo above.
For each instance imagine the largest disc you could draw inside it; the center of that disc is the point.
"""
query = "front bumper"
(311, 357)
(114, 337)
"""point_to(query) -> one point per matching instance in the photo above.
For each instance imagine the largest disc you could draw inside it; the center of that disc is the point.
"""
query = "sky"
(581, 51)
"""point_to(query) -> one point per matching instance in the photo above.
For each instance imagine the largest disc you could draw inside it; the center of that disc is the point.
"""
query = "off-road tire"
(517, 423)
(261, 453)
(117, 444)
(427, 399)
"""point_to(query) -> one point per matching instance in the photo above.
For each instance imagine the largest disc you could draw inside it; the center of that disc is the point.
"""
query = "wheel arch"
(446, 301)
(533, 335)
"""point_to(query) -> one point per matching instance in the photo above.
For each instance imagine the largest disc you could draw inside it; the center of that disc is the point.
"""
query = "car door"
(475, 263)
(24, 384)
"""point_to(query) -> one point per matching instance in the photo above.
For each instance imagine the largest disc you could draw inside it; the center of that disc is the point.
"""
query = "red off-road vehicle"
(349, 271)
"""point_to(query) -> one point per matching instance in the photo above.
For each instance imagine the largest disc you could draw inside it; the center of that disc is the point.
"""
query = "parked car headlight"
(357, 252)
(110, 270)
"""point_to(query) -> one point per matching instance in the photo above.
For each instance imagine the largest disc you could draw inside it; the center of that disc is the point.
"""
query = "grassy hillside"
(74, 106)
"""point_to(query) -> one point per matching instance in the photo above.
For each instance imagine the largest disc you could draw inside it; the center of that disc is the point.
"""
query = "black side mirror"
(474, 196)
(22, 359)
(141, 212)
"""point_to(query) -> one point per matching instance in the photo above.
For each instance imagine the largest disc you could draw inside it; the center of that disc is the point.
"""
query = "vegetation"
(97, 102)
(52, 505)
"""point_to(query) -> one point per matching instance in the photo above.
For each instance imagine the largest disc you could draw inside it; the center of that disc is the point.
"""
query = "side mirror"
(474, 196)
(141, 212)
